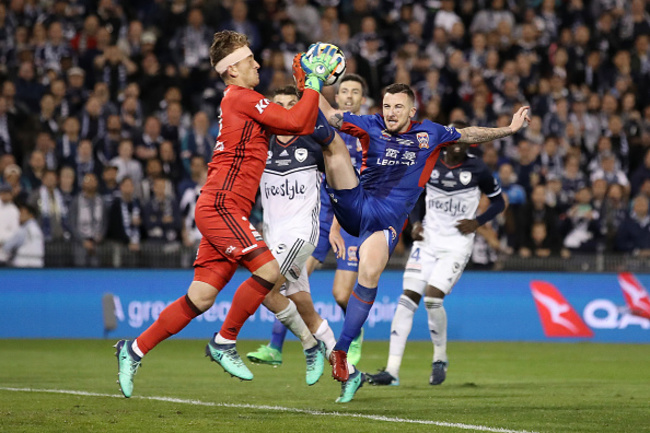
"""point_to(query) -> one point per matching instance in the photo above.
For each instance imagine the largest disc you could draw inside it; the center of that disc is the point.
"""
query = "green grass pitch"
(497, 387)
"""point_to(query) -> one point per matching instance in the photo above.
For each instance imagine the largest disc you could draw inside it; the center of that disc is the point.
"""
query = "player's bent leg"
(373, 256)
(339, 171)
(437, 319)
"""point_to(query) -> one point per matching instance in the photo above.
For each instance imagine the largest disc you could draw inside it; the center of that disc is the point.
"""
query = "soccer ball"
(339, 71)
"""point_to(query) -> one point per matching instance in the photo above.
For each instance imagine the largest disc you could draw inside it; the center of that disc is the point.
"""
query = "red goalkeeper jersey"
(247, 120)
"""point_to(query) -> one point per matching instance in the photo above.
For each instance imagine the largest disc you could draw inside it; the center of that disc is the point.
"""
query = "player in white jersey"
(442, 247)
(290, 196)
(350, 96)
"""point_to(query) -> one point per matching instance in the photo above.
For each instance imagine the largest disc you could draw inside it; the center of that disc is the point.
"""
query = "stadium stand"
(96, 92)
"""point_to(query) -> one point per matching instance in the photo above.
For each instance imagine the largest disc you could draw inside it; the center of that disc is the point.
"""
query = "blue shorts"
(363, 214)
(351, 261)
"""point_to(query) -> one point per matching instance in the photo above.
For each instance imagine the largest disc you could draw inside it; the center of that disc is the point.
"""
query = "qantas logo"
(558, 317)
(636, 297)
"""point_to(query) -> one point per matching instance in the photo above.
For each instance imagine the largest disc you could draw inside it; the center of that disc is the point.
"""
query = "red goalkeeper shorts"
(229, 239)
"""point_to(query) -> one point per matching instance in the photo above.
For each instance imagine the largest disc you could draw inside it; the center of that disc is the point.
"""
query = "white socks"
(136, 349)
(437, 326)
(400, 329)
(220, 340)
(290, 318)
(325, 334)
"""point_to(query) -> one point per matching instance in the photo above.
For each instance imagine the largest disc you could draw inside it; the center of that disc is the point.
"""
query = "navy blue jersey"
(453, 193)
(395, 168)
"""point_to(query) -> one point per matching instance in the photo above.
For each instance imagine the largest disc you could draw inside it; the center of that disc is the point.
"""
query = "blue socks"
(278, 335)
(357, 312)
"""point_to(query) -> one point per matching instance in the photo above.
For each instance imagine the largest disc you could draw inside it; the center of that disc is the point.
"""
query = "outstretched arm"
(476, 134)
(334, 117)
(298, 120)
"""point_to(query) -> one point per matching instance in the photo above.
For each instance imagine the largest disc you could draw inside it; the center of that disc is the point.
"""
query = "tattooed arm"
(476, 134)
(334, 117)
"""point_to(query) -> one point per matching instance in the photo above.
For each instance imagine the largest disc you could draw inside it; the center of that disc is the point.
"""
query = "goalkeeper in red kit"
(222, 210)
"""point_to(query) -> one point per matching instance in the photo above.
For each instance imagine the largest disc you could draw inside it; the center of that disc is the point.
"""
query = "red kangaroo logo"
(558, 317)
(636, 296)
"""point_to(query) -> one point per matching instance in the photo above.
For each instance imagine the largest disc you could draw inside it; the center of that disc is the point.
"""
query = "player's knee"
(413, 296)
(201, 296)
(434, 292)
(269, 272)
(341, 297)
(369, 275)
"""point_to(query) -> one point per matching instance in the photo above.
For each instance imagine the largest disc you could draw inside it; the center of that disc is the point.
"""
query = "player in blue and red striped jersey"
(398, 157)
(222, 210)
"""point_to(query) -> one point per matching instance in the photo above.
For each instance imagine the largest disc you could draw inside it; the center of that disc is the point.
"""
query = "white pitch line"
(278, 409)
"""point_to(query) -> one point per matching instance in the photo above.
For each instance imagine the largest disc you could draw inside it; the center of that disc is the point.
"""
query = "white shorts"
(438, 268)
(291, 254)
(301, 285)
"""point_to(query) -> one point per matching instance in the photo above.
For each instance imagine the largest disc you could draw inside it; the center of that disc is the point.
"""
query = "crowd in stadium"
(109, 110)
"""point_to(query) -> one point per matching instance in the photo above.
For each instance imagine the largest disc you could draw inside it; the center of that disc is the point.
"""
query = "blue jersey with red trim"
(397, 166)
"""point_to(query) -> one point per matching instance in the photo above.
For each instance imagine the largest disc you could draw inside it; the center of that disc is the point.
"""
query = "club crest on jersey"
(423, 139)
(300, 154)
(465, 177)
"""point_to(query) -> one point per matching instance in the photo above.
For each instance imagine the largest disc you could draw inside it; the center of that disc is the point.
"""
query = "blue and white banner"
(483, 305)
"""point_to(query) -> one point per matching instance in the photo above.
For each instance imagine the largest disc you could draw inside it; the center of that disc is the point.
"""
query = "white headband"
(236, 56)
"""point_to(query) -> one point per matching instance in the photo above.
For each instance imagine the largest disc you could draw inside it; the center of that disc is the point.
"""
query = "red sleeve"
(299, 120)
